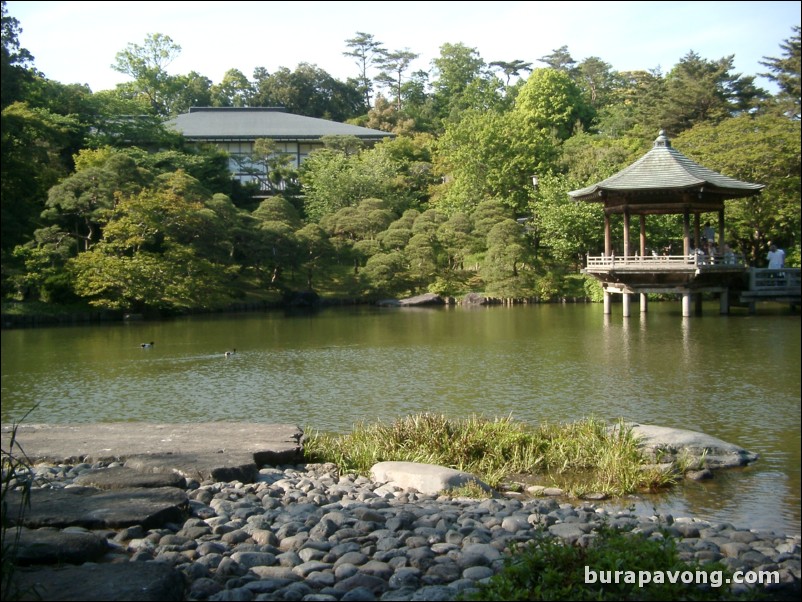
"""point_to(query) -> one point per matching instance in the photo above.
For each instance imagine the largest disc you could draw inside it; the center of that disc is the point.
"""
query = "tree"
(551, 100)
(273, 170)
(366, 51)
(233, 91)
(394, 65)
(15, 61)
(506, 255)
(308, 90)
(560, 59)
(455, 69)
(512, 68)
(33, 140)
(147, 66)
(152, 255)
(785, 71)
(315, 250)
(763, 149)
(596, 79)
(699, 90)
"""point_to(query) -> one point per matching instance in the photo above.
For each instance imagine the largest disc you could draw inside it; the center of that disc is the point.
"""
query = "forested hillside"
(102, 205)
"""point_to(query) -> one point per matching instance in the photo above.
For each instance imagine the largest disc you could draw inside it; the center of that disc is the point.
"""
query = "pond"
(734, 377)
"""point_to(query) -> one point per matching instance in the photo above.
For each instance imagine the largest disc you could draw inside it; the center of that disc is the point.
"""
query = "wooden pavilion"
(664, 181)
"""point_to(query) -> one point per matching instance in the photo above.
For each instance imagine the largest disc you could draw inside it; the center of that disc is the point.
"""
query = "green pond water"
(734, 377)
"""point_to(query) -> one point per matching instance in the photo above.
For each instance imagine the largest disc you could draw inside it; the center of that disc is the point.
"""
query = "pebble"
(308, 533)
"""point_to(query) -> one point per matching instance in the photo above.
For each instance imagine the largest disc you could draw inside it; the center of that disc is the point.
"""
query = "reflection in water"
(734, 377)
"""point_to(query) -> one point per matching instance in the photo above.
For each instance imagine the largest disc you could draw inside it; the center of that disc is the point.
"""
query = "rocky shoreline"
(305, 532)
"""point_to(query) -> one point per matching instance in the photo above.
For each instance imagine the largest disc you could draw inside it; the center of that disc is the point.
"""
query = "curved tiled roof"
(664, 170)
(218, 123)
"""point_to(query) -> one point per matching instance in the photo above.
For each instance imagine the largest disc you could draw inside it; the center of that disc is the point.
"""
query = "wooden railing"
(663, 262)
(775, 282)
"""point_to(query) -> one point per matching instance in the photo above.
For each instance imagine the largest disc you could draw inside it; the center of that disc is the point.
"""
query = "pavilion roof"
(666, 177)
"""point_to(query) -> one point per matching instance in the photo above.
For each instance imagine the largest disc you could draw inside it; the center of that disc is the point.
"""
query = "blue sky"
(76, 42)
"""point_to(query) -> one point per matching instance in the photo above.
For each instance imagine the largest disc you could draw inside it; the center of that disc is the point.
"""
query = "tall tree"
(233, 91)
(310, 91)
(15, 62)
(147, 66)
(455, 69)
(366, 51)
(785, 71)
(511, 68)
(596, 79)
(559, 59)
(699, 90)
(394, 65)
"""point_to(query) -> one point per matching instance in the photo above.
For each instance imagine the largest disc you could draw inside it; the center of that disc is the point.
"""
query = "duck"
(146, 345)
(230, 353)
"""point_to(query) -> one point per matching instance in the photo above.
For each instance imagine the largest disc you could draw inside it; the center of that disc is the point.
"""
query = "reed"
(606, 458)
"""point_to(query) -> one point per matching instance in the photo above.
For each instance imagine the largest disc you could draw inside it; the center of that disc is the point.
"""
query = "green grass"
(550, 569)
(494, 449)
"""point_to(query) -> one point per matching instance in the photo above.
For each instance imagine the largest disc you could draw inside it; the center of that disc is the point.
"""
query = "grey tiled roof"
(665, 169)
(250, 123)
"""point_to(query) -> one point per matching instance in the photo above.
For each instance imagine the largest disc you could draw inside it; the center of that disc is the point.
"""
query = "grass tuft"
(607, 458)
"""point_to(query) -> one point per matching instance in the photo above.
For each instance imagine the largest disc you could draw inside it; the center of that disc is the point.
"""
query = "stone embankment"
(161, 526)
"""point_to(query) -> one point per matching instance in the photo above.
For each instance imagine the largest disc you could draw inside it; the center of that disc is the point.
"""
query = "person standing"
(776, 257)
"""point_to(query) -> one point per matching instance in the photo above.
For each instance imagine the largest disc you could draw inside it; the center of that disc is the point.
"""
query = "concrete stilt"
(686, 305)
(606, 303)
(625, 302)
(644, 303)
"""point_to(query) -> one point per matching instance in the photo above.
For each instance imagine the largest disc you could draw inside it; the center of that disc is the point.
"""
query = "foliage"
(763, 149)
(495, 449)
(551, 569)
(785, 72)
(471, 136)
(704, 91)
(157, 251)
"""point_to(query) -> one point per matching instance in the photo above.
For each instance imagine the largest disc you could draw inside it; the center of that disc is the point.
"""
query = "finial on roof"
(662, 140)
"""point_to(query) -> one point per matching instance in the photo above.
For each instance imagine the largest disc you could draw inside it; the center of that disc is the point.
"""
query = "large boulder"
(428, 479)
(662, 444)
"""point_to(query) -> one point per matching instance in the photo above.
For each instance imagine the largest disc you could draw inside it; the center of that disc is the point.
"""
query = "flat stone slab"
(54, 546)
(428, 479)
(137, 581)
(122, 477)
(220, 467)
(268, 444)
(97, 509)
(663, 444)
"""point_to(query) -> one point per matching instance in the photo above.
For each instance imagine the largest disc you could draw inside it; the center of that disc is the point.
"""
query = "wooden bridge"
(778, 286)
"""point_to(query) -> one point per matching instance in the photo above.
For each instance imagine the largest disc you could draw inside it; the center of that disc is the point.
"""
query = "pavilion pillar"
(686, 233)
(626, 232)
(686, 305)
(642, 235)
(644, 303)
(721, 238)
(626, 302)
(696, 231)
(724, 302)
(608, 249)
(607, 303)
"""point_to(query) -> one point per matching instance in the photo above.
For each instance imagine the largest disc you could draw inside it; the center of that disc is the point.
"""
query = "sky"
(76, 41)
